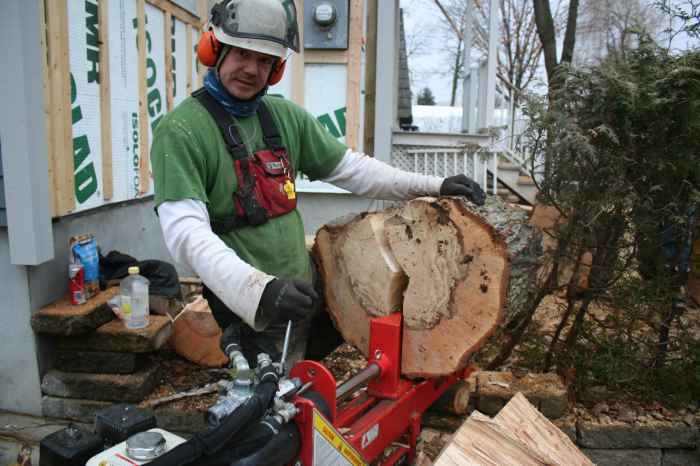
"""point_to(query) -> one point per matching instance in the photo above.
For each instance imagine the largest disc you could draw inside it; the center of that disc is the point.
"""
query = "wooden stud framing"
(177, 11)
(167, 37)
(190, 58)
(354, 73)
(370, 75)
(59, 109)
(203, 12)
(299, 61)
(143, 112)
(48, 107)
(105, 102)
(57, 90)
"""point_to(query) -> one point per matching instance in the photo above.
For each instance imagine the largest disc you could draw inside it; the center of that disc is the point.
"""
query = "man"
(224, 163)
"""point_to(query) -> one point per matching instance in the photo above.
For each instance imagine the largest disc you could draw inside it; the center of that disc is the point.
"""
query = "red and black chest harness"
(265, 178)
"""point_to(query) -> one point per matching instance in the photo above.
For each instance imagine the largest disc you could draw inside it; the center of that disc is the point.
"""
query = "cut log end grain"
(439, 261)
(519, 434)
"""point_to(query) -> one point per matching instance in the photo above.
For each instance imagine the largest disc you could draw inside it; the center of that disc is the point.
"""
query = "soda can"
(76, 284)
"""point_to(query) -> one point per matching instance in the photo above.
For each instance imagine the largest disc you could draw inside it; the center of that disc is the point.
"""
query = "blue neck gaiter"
(237, 108)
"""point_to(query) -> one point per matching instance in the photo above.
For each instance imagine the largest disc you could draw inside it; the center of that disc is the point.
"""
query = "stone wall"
(648, 438)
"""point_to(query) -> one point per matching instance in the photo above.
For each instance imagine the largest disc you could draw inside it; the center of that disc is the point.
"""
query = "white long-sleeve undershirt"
(191, 241)
(369, 177)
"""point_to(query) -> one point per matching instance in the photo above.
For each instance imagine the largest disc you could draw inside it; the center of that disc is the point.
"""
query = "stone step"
(115, 337)
(102, 387)
(174, 420)
(103, 362)
(63, 318)
(71, 409)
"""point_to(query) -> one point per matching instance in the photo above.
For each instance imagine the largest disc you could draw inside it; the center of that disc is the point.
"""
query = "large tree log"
(444, 263)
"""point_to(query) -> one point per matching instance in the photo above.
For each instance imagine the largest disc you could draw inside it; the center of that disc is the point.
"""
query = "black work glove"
(288, 299)
(460, 185)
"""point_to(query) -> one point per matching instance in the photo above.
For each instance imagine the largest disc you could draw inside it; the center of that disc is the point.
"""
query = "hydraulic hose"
(248, 444)
(279, 451)
(211, 441)
(255, 437)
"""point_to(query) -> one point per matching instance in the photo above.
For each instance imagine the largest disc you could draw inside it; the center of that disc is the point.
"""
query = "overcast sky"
(423, 23)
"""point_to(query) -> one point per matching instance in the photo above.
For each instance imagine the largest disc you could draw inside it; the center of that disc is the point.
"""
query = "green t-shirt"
(189, 160)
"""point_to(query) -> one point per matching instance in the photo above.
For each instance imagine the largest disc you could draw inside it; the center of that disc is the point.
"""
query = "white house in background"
(446, 119)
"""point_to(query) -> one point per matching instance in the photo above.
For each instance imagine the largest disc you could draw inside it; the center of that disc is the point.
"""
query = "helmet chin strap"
(220, 59)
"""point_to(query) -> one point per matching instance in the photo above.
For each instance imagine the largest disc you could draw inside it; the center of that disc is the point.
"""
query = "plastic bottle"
(134, 299)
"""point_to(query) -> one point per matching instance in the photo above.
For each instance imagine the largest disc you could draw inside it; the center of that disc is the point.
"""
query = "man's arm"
(190, 240)
(253, 295)
(369, 177)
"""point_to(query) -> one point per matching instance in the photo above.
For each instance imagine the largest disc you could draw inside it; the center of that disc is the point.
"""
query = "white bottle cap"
(133, 270)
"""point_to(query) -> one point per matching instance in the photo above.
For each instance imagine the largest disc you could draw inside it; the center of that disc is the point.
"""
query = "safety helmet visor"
(252, 23)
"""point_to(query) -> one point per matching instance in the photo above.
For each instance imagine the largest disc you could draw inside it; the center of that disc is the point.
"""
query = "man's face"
(244, 73)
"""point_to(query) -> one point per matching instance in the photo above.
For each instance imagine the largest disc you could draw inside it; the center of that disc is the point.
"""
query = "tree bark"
(454, 270)
(567, 49)
(547, 34)
(545, 30)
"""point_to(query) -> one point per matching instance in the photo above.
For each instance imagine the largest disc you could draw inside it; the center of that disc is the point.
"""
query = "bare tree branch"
(567, 50)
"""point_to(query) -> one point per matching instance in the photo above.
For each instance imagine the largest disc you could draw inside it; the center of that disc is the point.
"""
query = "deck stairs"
(514, 183)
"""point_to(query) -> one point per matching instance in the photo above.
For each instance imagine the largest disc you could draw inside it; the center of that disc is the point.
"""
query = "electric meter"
(325, 14)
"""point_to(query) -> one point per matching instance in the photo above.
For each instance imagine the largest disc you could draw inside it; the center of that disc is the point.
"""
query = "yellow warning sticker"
(330, 448)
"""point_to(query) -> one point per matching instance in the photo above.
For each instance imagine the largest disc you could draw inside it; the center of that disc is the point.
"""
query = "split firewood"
(524, 422)
(518, 435)
(453, 269)
(481, 441)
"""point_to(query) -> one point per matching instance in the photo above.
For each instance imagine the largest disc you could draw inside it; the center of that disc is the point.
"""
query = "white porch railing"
(446, 154)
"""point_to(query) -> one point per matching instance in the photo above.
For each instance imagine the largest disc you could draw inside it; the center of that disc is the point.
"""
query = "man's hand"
(460, 185)
(288, 299)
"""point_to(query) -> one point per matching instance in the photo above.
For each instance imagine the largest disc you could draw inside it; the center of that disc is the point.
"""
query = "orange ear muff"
(277, 73)
(208, 49)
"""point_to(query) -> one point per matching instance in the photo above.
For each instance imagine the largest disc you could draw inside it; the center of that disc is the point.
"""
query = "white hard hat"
(265, 26)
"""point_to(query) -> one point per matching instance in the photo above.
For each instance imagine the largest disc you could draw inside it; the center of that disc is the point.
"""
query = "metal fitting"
(264, 360)
(288, 387)
(243, 375)
(284, 412)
